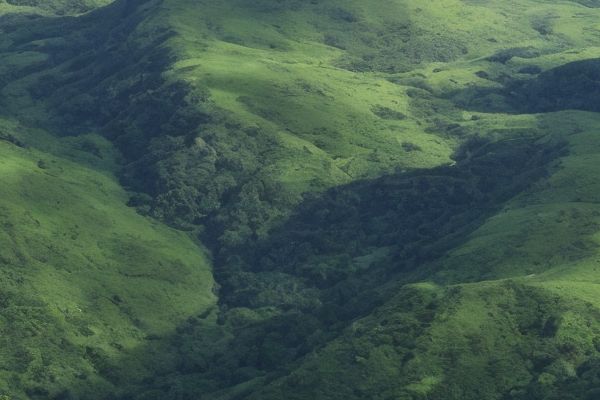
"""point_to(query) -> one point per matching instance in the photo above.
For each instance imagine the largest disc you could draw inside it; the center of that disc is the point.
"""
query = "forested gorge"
(299, 200)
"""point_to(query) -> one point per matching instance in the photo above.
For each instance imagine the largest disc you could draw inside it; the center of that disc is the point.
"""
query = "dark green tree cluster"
(291, 292)
(570, 86)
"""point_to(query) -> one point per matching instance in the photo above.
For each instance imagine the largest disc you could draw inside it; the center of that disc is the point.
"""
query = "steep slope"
(524, 326)
(86, 282)
(387, 218)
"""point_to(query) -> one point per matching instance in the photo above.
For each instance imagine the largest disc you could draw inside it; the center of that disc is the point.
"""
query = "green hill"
(51, 7)
(400, 200)
(82, 273)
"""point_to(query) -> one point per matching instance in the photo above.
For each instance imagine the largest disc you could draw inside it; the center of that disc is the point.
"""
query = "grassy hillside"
(400, 199)
(51, 7)
(86, 282)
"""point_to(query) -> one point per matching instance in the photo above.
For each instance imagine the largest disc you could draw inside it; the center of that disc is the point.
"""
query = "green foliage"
(331, 157)
(570, 86)
(83, 276)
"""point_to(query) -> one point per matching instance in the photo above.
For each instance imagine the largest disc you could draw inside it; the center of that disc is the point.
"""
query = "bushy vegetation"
(82, 273)
(387, 218)
(573, 86)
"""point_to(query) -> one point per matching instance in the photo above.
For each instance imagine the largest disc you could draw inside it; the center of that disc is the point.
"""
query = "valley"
(299, 199)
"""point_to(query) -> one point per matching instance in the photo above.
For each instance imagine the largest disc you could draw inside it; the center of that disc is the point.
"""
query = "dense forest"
(287, 199)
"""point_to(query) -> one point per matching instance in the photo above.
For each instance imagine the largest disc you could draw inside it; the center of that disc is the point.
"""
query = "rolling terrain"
(299, 199)
(54, 7)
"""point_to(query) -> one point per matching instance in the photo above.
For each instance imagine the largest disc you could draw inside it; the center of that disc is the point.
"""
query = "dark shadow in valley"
(343, 252)
(415, 215)
(572, 86)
